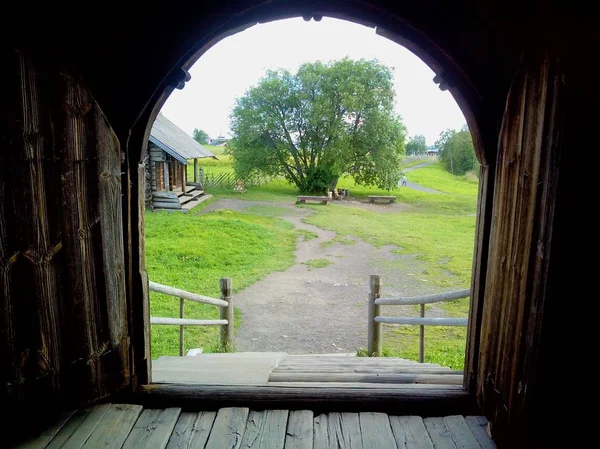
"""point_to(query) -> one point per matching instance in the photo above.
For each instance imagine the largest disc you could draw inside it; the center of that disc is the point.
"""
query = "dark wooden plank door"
(520, 243)
(63, 304)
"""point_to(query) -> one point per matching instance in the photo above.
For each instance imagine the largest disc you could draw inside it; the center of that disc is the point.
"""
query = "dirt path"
(320, 310)
(412, 185)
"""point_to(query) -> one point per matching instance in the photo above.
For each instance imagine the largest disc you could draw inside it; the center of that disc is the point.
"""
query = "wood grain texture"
(343, 431)
(299, 433)
(478, 426)
(411, 378)
(439, 433)
(114, 427)
(61, 243)
(520, 244)
(461, 433)
(376, 431)
(228, 429)
(192, 430)
(410, 432)
(45, 437)
(320, 399)
(153, 429)
(265, 430)
(321, 432)
(77, 430)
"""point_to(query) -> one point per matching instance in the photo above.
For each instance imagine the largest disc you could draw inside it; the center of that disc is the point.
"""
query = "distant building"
(169, 150)
(218, 140)
(432, 152)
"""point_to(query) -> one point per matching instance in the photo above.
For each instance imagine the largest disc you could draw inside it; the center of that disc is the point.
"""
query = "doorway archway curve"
(449, 75)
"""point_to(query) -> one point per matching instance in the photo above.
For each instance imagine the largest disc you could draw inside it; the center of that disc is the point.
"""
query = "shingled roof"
(175, 142)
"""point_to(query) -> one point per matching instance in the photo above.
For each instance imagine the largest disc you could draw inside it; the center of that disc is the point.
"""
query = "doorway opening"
(311, 284)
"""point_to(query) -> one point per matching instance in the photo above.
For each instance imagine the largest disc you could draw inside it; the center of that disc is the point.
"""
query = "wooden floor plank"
(192, 430)
(410, 432)
(344, 431)
(228, 430)
(320, 432)
(299, 433)
(439, 434)
(114, 427)
(461, 434)
(478, 425)
(265, 430)
(153, 429)
(78, 429)
(376, 431)
(42, 440)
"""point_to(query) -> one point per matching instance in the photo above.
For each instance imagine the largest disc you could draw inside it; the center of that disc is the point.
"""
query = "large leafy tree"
(416, 146)
(200, 136)
(314, 126)
(457, 152)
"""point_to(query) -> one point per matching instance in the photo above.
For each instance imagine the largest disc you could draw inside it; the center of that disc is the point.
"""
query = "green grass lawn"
(317, 263)
(436, 177)
(193, 252)
(224, 164)
(406, 164)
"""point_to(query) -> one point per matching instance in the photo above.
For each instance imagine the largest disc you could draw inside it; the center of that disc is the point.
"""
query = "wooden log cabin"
(169, 151)
(79, 94)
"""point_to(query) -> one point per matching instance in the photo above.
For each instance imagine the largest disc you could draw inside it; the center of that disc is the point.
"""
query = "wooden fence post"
(195, 169)
(374, 328)
(181, 306)
(227, 314)
(422, 337)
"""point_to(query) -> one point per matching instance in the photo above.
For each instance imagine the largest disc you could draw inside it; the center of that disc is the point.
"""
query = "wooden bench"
(321, 199)
(373, 198)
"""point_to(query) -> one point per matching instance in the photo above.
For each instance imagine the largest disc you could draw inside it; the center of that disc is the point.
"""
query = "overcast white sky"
(237, 62)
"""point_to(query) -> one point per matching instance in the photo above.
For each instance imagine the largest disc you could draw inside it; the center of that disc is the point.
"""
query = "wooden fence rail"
(229, 181)
(225, 303)
(375, 320)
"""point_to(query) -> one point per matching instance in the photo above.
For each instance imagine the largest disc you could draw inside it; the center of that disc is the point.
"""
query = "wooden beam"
(410, 400)
(423, 321)
(186, 321)
(178, 293)
(427, 299)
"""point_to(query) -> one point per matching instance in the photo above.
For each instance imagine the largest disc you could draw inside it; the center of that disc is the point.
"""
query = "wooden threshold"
(426, 400)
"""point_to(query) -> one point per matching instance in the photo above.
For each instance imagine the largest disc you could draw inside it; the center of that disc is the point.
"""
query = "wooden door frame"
(482, 119)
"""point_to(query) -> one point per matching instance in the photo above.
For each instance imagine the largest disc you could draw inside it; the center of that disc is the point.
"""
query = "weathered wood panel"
(228, 429)
(321, 432)
(439, 434)
(376, 430)
(299, 433)
(478, 426)
(62, 290)
(265, 430)
(192, 430)
(410, 432)
(114, 427)
(343, 431)
(520, 243)
(153, 429)
(42, 440)
(75, 433)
